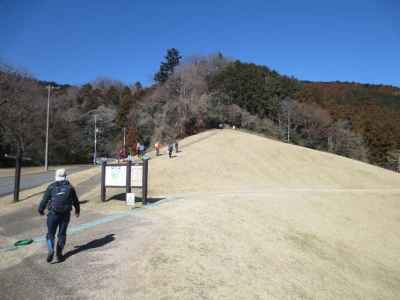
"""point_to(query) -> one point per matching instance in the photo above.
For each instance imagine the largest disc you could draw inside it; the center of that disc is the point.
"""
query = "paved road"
(32, 180)
(87, 262)
(26, 222)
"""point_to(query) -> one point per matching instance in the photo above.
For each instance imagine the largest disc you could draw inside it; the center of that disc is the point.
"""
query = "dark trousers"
(61, 222)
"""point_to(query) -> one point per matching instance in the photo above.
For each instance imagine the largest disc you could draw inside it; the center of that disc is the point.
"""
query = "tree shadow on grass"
(90, 245)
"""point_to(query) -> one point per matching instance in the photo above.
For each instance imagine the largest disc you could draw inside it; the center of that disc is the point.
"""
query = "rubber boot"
(50, 247)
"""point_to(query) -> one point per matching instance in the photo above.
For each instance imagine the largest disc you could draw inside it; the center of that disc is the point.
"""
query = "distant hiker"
(121, 153)
(157, 147)
(141, 150)
(176, 147)
(138, 149)
(59, 198)
(170, 148)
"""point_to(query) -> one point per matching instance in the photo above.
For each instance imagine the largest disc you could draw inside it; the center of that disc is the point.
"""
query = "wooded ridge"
(360, 121)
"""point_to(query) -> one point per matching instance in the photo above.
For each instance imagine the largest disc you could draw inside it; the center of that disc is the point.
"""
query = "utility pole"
(288, 127)
(124, 137)
(95, 139)
(47, 129)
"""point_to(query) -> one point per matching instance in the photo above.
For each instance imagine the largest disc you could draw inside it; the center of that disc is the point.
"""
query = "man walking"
(59, 198)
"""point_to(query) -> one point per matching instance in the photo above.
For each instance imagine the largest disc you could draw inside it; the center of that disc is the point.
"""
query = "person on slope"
(170, 149)
(157, 147)
(141, 149)
(59, 198)
(138, 149)
(176, 147)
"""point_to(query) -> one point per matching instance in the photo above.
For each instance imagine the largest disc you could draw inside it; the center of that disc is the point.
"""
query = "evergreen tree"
(172, 59)
(252, 87)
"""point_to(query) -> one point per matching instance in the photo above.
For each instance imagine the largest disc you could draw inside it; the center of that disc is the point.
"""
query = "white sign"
(136, 175)
(130, 199)
(115, 175)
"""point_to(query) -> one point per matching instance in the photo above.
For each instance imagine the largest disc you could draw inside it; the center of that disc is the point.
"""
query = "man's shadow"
(91, 245)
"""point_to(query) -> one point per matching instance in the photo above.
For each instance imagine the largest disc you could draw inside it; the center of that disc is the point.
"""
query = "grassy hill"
(233, 160)
(258, 219)
(243, 217)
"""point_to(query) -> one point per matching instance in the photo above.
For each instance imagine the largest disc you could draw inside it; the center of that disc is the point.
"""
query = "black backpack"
(61, 202)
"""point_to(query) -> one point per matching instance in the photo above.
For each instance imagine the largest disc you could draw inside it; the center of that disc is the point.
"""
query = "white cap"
(61, 174)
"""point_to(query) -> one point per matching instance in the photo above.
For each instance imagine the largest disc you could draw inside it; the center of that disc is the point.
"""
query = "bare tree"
(347, 143)
(21, 115)
(23, 109)
(286, 113)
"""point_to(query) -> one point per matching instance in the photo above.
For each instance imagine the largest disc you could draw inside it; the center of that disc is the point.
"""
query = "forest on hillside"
(359, 121)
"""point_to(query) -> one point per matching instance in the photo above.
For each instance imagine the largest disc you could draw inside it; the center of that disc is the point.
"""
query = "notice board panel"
(136, 176)
(116, 176)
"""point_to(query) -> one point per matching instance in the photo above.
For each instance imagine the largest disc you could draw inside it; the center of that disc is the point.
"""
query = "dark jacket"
(46, 203)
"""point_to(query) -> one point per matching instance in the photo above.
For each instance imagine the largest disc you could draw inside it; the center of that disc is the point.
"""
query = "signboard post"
(128, 176)
(103, 181)
(144, 180)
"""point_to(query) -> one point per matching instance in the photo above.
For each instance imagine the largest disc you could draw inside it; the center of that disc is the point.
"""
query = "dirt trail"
(249, 218)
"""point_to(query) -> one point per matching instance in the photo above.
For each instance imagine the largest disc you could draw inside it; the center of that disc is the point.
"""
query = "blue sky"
(78, 41)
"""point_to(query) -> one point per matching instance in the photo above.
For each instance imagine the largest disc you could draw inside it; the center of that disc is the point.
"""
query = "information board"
(136, 176)
(116, 176)
(129, 175)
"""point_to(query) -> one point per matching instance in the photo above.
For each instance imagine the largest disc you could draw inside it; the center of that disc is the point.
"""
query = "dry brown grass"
(261, 219)
(258, 219)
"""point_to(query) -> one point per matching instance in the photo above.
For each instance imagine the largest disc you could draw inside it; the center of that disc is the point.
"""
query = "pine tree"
(172, 59)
